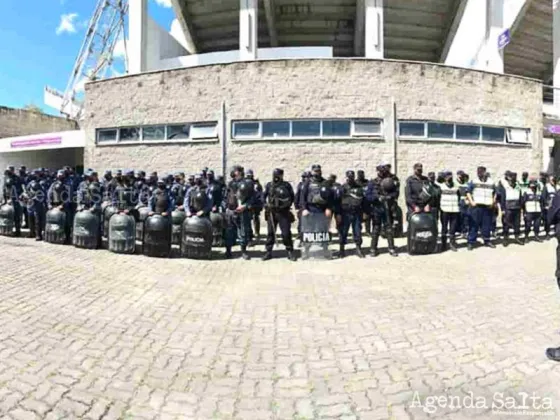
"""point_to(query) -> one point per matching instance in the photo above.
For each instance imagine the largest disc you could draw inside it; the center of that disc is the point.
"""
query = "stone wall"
(20, 122)
(341, 88)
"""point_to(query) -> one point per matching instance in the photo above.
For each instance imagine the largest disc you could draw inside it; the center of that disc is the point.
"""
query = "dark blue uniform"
(238, 224)
(352, 207)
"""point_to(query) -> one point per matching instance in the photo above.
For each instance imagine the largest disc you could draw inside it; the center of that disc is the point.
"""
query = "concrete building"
(345, 83)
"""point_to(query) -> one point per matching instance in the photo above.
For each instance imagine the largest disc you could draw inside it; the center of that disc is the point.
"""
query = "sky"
(40, 41)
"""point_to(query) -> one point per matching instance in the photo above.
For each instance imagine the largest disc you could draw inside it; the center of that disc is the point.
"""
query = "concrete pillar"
(137, 36)
(374, 28)
(248, 29)
(556, 51)
(493, 58)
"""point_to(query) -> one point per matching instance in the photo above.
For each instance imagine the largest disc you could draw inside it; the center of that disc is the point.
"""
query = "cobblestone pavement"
(90, 334)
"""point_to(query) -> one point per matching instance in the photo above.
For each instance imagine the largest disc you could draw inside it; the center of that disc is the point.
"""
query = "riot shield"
(316, 236)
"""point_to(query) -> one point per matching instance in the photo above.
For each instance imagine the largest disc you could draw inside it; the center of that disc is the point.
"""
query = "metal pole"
(394, 133)
(224, 139)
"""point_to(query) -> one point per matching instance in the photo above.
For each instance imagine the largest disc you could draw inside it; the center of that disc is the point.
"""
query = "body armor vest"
(125, 197)
(198, 198)
(533, 202)
(315, 194)
(352, 197)
(279, 198)
(483, 192)
(57, 193)
(449, 199)
(550, 191)
(513, 196)
(161, 201)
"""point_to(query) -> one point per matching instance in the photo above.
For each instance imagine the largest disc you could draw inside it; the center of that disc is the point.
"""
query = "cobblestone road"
(90, 334)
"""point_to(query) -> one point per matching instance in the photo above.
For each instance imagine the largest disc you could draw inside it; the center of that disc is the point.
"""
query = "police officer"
(463, 221)
(363, 182)
(142, 189)
(509, 194)
(336, 201)
(316, 197)
(450, 210)
(178, 190)
(258, 204)
(124, 194)
(60, 195)
(524, 183)
(36, 208)
(351, 206)
(24, 178)
(238, 203)
(549, 191)
(382, 194)
(90, 196)
(11, 193)
(194, 203)
(279, 197)
(417, 193)
(481, 196)
(161, 202)
(532, 209)
(436, 196)
(298, 200)
(215, 190)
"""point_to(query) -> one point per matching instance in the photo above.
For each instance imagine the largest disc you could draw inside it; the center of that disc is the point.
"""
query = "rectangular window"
(412, 129)
(154, 132)
(311, 128)
(336, 128)
(495, 134)
(518, 136)
(273, 129)
(109, 134)
(467, 132)
(441, 130)
(178, 132)
(129, 134)
(246, 129)
(367, 128)
(204, 131)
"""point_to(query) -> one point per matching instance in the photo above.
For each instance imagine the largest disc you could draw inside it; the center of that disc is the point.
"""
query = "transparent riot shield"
(316, 236)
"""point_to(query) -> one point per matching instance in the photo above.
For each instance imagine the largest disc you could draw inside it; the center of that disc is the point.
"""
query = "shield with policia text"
(315, 235)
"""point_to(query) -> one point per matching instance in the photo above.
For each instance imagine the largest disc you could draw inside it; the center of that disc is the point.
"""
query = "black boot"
(228, 253)
(359, 252)
(267, 256)
(506, 241)
(342, 252)
(374, 252)
(292, 256)
(374, 241)
(453, 245)
(519, 241)
(244, 254)
(443, 245)
(553, 354)
(391, 241)
(537, 238)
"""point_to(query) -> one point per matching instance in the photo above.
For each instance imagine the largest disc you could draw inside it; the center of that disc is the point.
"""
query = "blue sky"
(39, 43)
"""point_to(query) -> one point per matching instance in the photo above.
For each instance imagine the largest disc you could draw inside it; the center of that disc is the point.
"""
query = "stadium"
(343, 83)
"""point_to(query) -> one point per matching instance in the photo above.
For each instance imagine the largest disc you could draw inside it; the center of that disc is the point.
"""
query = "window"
(336, 128)
(154, 132)
(272, 129)
(246, 129)
(412, 129)
(311, 128)
(109, 134)
(129, 134)
(178, 132)
(516, 135)
(204, 131)
(367, 127)
(467, 132)
(495, 134)
(441, 130)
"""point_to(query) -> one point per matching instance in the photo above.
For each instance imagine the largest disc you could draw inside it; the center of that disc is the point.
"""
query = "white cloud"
(164, 3)
(81, 84)
(67, 24)
(119, 51)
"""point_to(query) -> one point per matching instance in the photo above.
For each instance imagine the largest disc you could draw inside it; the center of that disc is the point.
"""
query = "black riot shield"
(316, 236)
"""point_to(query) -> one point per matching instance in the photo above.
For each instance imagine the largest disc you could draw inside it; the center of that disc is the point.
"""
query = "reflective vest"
(483, 192)
(549, 191)
(449, 202)
(513, 196)
(524, 187)
(462, 190)
(533, 203)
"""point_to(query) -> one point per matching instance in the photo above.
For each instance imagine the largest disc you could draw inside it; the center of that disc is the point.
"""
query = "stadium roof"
(413, 29)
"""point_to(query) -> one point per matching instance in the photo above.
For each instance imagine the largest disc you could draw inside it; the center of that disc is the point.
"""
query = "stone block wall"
(20, 122)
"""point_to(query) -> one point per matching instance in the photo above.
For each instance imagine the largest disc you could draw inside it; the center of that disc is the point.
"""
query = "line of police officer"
(461, 205)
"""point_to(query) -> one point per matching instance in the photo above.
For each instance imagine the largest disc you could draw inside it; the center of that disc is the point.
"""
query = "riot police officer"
(549, 190)
(417, 192)
(298, 200)
(279, 197)
(450, 210)
(509, 195)
(124, 195)
(351, 204)
(363, 182)
(178, 190)
(481, 196)
(11, 193)
(142, 190)
(194, 203)
(382, 194)
(35, 197)
(238, 202)
(60, 195)
(215, 190)
(161, 202)
(436, 196)
(336, 189)
(317, 198)
(258, 204)
(533, 202)
(464, 214)
(90, 196)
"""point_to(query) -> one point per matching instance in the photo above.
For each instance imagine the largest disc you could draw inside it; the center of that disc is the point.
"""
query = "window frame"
(296, 137)
(353, 132)
(427, 130)
(99, 130)
(408, 136)
(259, 123)
(290, 130)
(142, 128)
(467, 125)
